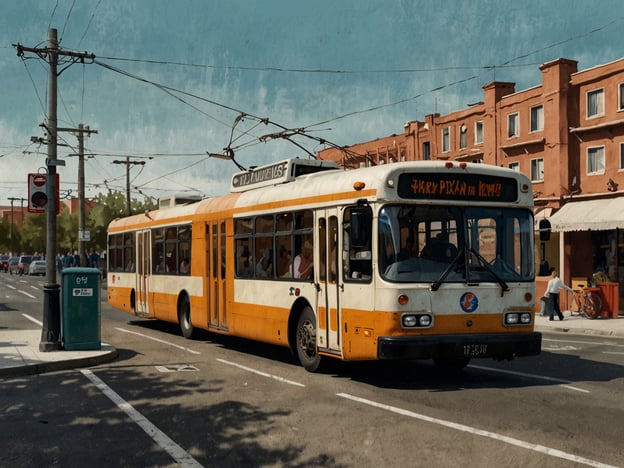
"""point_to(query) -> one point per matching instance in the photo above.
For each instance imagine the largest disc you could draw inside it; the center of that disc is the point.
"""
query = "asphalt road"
(218, 401)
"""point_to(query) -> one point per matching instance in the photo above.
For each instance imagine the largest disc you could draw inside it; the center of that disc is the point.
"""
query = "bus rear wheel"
(184, 317)
(306, 341)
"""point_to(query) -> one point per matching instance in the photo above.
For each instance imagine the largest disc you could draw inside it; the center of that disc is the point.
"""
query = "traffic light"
(38, 193)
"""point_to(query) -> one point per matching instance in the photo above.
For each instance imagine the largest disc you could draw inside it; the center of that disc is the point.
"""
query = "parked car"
(4, 262)
(23, 264)
(13, 262)
(37, 267)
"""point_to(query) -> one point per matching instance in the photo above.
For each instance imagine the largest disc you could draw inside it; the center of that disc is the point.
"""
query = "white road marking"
(10, 287)
(264, 374)
(608, 343)
(176, 368)
(561, 382)
(480, 432)
(32, 319)
(158, 340)
(26, 294)
(163, 440)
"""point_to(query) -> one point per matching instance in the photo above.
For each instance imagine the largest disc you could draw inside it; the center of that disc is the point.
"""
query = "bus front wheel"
(306, 341)
(184, 317)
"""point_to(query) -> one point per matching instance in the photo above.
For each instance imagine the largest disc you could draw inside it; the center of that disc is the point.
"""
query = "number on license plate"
(472, 350)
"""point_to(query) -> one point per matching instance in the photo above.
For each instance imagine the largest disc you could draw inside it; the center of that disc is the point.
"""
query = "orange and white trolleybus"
(411, 260)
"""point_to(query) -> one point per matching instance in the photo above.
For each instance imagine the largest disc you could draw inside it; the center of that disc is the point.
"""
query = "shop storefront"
(591, 244)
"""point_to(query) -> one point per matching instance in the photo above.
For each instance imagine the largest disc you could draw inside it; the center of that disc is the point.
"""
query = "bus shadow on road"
(547, 369)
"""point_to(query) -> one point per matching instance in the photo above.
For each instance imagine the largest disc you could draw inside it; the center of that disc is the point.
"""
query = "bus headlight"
(518, 318)
(416, 320)
(512, 318)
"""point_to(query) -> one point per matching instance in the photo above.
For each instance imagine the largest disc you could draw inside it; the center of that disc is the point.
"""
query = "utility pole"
(127, 162)
(51, 330)
(80, 133)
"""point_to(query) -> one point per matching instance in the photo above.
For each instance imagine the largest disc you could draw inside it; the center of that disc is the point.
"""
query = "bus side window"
(360, 253)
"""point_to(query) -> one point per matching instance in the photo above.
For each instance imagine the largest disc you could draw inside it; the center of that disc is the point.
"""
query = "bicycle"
(586, 303)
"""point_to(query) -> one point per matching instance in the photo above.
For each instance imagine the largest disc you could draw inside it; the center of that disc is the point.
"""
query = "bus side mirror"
(360, 227)
(544, 230)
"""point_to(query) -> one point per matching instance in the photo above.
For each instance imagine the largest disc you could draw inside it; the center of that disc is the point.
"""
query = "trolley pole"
(51, 330)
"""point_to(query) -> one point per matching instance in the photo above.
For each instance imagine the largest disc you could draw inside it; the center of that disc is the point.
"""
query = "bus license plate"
(475, 350)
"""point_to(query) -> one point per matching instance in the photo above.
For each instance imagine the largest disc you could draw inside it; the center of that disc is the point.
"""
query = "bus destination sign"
(468, 187)
(260, 177)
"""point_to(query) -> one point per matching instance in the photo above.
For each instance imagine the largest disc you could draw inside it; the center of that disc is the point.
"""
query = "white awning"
(594, 215)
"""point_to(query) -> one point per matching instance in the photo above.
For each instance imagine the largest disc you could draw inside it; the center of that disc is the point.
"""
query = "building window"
(537, 170)
(513, 125)
(595, 160)
(446, 139)
(621, 155)
(479, 132)
(426, 151)
(463, 136)
(595, 103)
(514, 166)
(537, 118)
(621, 93)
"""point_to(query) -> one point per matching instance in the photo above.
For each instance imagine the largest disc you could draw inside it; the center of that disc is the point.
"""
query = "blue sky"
(171, 78)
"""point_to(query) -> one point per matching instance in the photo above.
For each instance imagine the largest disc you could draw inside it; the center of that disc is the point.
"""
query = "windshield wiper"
(436, 285)
(488, 267)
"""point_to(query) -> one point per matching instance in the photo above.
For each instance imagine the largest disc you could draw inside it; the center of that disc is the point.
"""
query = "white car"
(37, 267)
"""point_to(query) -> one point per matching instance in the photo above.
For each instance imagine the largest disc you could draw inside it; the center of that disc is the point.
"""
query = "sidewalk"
(577, 325)
(20, 355)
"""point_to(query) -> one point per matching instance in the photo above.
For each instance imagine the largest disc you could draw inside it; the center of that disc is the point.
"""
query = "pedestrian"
(552, 291)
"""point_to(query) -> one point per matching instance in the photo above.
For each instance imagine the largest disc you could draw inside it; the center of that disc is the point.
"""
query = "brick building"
(566, 134)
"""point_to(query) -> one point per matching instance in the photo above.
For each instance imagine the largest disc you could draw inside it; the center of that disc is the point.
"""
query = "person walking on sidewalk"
(552, 291)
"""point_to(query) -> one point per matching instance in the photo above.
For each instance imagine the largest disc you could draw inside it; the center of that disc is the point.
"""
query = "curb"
(53, 366)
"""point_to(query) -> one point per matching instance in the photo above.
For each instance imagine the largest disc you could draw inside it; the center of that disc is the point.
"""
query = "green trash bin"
(80, 304)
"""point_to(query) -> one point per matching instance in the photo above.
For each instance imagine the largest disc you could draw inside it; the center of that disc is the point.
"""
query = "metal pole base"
(51, 331)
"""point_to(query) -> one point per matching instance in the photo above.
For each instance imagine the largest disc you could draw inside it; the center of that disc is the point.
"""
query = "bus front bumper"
(497, 346)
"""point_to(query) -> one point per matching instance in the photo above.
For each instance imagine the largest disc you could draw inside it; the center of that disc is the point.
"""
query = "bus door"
(143, 269)
(329, 320)
(216, 280)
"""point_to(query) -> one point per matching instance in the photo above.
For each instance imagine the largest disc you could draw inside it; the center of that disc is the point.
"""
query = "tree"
(109, 207)
(34, 233)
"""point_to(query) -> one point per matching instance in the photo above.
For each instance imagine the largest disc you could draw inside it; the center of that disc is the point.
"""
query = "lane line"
(163, 440)
(608, 343)
(561, 382)
(10, 287)
(480, 432)
(263, 374)
(158, 340)
(26, 294)
(32, 319)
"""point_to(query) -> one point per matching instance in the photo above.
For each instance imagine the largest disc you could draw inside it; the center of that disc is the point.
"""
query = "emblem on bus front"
(469, 302)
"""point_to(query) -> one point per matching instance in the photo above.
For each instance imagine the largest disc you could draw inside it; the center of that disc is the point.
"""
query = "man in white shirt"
(552, 291)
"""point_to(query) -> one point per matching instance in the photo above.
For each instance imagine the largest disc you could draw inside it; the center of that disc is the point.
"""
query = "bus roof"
(331, 187)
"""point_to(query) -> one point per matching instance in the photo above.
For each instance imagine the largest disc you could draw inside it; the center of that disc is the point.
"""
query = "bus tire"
(451, 364)
(184, 317)
(306, 341)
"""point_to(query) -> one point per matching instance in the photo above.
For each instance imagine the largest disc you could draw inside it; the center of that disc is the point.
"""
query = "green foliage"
(34, 233)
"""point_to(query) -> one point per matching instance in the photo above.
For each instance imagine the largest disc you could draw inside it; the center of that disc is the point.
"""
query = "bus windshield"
(436, 244)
